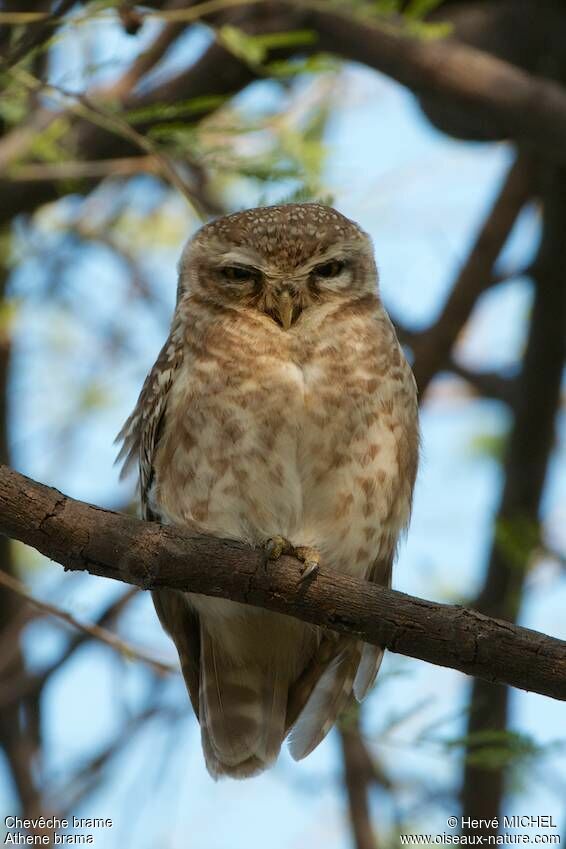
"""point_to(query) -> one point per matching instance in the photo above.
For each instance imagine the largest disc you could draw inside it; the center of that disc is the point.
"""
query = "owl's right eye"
(240, 273)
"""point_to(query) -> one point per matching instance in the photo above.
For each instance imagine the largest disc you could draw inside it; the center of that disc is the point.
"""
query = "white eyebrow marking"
(241, 256)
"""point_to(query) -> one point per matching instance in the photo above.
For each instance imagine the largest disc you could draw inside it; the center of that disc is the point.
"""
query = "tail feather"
(327, 700)
(367, 670)
(242, 712)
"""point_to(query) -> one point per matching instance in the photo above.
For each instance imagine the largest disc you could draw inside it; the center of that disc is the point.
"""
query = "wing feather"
(372, 656)
(140, 437)
(141, 431)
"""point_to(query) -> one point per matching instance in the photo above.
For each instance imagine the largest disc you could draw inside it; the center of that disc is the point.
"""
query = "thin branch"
(216, 74)
(25, 685)
(92, 630)
(150, 57)
(66, 798)
(85, 107)
(86, 538)
(126, 166)
(432, 347)
(488, 384)
(38, 31)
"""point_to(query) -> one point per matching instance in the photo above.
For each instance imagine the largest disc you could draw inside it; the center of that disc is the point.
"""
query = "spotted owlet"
(280, 412)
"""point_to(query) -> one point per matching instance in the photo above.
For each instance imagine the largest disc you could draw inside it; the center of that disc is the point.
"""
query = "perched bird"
(280, 412)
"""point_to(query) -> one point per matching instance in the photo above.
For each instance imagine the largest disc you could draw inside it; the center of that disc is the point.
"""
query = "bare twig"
(24, 685)
(92, 630)
(432, 347)
(489, 384)
(85, 107)
(77, 170)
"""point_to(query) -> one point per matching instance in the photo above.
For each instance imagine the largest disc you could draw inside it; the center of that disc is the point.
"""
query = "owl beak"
(285, 309)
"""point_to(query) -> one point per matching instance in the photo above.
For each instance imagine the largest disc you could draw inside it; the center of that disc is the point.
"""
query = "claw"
(310, 557)
(311, 561)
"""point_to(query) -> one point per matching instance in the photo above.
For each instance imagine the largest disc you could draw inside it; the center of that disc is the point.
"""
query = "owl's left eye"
(329, 269)
(240, 273)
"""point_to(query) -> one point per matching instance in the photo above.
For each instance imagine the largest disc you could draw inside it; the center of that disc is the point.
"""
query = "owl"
(280, 412)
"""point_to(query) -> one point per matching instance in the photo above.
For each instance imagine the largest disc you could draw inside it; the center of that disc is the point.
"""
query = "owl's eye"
(329, 269)
(239, 273)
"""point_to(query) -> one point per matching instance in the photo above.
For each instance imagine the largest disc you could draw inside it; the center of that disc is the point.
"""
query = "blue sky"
(421, 197)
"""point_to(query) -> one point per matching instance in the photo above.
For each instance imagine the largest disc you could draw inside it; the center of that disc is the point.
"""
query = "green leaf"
(422, 29)
(517, 538)
(242, 45)
(490, 445)
(420, 8)
(168, 111)
(254, 49)
(319, 63)
(387, 7)
(294, 38)
(94, 397)
(493, 749)
(46, 145)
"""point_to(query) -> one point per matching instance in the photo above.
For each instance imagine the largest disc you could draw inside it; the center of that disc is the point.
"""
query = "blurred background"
(124, 127)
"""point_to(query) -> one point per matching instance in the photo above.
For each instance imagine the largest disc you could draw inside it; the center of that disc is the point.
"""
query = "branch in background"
(20, 722)
(16, 688)
(530, 446)
(103, 635)
(92, 111)
(150, 57)
(86, 538)
(359, 776)
(432, 347)
(36, 34)
(79, 170)
(216, 75)
(527, 109)
(69, 796)
(487, 384)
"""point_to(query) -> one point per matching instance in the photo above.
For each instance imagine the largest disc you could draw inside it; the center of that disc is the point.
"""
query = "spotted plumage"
(281, 406)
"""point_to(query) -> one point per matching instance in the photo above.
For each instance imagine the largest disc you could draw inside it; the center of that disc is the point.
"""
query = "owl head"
(278, 260)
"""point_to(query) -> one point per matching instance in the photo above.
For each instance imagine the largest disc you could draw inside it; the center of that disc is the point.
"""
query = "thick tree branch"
(86, 538)
(500, 98)
(528, 456)
(359, 776)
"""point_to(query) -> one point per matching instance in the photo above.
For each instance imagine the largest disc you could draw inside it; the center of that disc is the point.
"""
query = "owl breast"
(305, 434)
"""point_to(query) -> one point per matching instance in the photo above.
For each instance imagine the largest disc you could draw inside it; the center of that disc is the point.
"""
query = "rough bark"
(86, 538)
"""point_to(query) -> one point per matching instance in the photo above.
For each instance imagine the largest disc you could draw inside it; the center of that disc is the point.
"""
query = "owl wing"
(141, 431)
(380, 573)
(140, 438)
(182, 624)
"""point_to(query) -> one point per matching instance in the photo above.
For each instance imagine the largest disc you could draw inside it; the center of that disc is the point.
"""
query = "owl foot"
(276, 546)
(310, 557)
(311, 560)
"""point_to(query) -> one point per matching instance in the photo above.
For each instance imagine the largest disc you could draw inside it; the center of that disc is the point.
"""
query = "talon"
(311, 561)
(276, 546)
